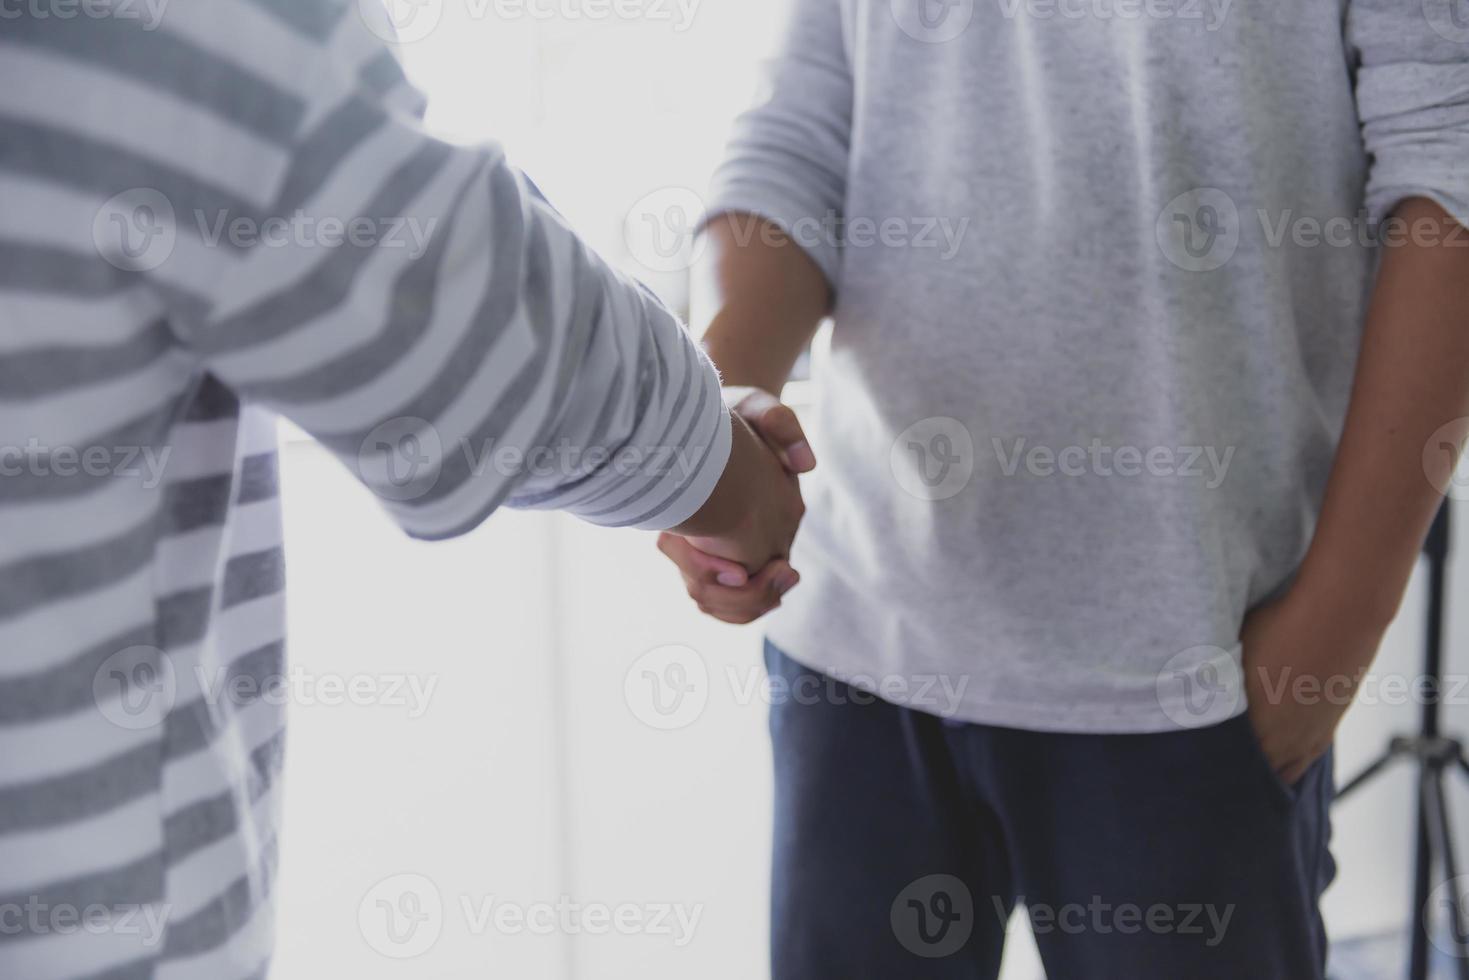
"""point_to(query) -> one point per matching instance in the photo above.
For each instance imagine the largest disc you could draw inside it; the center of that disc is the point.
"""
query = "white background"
(529, 776)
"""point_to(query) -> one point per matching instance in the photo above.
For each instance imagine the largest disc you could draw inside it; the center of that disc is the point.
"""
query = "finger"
(745, 605)
(764, 591)
(780, 427)
(1293, 773)
(782, 430)
(774, 580)
(700, 566)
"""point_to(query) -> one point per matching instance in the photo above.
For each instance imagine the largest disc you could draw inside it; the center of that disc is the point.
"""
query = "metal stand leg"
(1362, 778)
(1422, 887)
(1436, 806)
(1434, 755)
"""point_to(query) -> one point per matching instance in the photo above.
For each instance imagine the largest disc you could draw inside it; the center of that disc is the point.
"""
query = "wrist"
(727, 510)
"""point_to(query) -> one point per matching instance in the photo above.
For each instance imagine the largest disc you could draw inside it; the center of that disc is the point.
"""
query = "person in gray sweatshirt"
(1149, 371)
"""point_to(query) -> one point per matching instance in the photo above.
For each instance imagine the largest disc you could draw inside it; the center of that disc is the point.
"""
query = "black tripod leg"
(1440, 828)
(1372, 770)
(1422, 921)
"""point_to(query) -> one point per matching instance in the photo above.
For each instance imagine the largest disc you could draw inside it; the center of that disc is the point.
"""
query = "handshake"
(734, 552)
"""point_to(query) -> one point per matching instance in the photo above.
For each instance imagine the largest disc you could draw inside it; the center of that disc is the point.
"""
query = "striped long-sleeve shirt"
(207, 219)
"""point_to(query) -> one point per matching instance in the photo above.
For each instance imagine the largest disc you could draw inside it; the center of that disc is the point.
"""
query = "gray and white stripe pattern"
(232, 216)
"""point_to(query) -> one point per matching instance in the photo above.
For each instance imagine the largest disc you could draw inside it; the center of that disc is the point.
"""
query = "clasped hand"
(734, 556)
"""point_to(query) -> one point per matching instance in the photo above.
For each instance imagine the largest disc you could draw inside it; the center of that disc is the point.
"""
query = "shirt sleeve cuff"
(696, 491)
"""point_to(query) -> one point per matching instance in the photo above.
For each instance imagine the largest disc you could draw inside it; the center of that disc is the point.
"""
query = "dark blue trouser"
(904, 841)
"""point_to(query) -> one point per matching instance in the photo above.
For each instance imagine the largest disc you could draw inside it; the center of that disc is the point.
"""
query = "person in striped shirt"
(223, 214)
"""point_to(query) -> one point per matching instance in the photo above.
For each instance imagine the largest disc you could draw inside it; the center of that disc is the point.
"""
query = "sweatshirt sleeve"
(466, 349)
(1412, 84)
(788, 155)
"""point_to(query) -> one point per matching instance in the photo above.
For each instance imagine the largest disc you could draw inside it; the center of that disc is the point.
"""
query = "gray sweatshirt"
(1100, 272)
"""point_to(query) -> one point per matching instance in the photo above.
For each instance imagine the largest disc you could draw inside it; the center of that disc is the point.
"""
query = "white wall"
(466, 793)
(531, 776)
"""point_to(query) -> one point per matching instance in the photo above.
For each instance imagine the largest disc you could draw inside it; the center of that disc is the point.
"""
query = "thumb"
(700, 565)
(778, 425)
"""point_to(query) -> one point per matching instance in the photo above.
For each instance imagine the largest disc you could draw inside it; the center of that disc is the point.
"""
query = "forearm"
(1412, 379)
(758, 298)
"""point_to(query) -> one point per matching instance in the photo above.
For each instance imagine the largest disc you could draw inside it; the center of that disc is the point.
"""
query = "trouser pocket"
(1253, 752)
